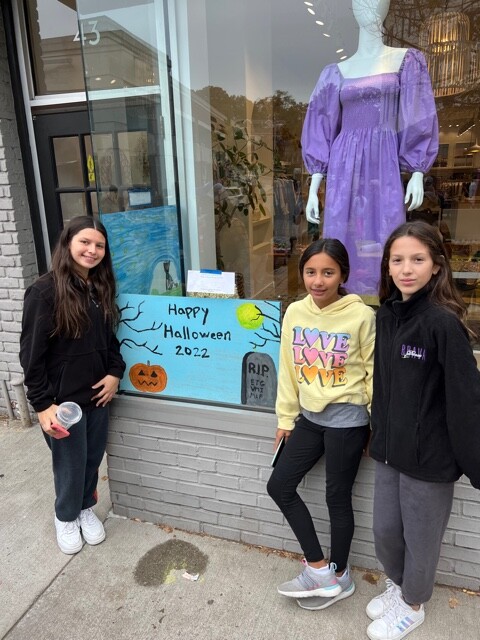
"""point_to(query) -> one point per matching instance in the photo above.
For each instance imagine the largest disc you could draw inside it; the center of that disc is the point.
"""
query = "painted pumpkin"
(148, 377)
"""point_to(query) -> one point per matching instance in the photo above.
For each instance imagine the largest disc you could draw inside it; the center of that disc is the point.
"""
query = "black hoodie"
(426, 392)
(56, 368)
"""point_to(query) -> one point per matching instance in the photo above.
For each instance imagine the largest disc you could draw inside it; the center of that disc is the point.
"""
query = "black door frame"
(72, 123)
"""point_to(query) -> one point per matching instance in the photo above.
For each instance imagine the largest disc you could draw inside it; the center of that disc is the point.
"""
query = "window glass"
(258, 96)
(133, 149)
(449, 36)
(72, 205)
(125, 75)
(197, 109)
(90, 161)
(68, 161)
(55, 46)
(94, 201)
(74, 184)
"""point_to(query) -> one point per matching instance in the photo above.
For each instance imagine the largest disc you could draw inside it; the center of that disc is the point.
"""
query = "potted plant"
(238, 172)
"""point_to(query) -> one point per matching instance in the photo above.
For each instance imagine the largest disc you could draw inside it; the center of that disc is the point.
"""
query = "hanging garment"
(361, 133)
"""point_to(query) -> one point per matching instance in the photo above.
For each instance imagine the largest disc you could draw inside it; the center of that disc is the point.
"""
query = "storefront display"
(369, 118)
(371, 127)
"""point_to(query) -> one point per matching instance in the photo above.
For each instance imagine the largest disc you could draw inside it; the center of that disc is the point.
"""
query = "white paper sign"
(211, 281)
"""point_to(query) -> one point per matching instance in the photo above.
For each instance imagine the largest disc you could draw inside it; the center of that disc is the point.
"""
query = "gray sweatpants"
(409, 519)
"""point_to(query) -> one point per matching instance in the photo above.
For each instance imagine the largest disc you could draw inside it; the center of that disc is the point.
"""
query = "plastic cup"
(68, 414)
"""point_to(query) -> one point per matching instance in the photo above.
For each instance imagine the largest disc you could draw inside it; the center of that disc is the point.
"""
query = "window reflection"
(94, 201)
(87, 140)
(452, 200)
(105, 159)
(135, 166)
(126, 72)
(68, 162)
(72, 205)
(268, 98)
(244, 113)
(55, 46)
(121, 58)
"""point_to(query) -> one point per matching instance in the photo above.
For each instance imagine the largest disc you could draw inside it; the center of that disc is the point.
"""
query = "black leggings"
(343, 449)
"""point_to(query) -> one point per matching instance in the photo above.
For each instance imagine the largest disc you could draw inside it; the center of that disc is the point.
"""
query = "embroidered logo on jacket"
(417, 353)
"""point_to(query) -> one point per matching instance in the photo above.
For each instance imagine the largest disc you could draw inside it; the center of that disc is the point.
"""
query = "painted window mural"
(145, 250)
(179, 346)
(201, 348)
(196, 348)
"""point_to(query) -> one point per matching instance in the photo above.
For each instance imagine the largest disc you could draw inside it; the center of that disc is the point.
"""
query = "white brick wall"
(205, 470)
(17, 254)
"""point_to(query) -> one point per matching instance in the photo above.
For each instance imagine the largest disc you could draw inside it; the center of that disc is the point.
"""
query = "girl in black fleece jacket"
(425, 425)
(69, 352)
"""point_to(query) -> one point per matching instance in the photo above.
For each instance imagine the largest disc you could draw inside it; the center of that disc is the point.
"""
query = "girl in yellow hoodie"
(323, 401)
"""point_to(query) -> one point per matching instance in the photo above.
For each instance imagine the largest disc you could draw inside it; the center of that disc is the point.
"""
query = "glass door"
(129, 98)
(67, 168)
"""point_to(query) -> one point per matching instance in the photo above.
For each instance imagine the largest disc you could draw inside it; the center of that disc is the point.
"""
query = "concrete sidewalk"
(132, 585)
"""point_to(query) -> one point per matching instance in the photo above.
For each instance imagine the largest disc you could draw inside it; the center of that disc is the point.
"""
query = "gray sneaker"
(316, 603)
(309, 583)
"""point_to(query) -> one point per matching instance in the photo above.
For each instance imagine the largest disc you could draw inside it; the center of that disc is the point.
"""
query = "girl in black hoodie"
(425, 428)
(69, 352)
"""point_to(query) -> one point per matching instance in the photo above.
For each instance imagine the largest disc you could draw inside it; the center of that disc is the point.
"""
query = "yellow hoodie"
(326, 356)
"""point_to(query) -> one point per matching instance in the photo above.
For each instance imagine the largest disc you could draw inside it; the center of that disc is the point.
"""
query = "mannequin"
(375, 108)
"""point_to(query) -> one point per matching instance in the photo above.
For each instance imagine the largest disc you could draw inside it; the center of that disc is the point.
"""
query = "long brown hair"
(442, 290)
(72, 296)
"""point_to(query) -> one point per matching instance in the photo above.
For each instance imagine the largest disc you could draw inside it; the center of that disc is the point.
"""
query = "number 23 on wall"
(86, 31)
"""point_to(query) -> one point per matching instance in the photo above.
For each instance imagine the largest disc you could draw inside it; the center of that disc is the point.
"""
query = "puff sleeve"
(322, 121)
(418, 122)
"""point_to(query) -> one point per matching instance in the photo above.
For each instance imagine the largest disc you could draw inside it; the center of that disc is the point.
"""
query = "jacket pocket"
(57, 386)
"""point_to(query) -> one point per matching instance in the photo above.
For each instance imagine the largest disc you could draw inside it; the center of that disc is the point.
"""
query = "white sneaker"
(397, 622)
(92, 529)
(379, 605)
(68, 536)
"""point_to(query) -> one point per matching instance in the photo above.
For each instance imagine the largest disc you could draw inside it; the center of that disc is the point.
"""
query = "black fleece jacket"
(426, 392)
(56, 368)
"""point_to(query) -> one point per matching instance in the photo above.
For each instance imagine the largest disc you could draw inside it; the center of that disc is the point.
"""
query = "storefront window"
(449, 35)
(254, 84)
(55, 46)
(258, 96)
(132, 143)
(197, 109)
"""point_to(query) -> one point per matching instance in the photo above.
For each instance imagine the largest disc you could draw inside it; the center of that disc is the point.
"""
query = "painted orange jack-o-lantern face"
(148, 377)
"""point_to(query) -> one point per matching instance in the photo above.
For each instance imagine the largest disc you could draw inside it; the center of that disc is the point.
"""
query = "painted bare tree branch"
(128, 322)
(267, 334)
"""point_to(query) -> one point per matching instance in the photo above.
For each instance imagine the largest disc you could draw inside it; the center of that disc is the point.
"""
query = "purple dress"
(361, 133)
